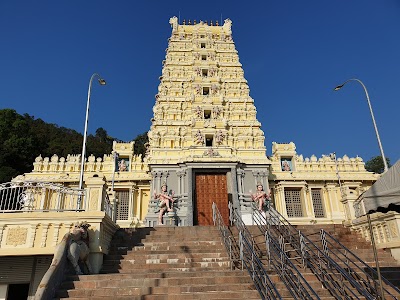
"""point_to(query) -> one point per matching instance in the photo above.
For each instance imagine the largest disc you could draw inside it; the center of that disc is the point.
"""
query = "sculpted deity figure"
(199, 137)
(165, 202)
(214, 89)
(217, 112)
(197, 89)
(261, 196)
(199, 112)
(286, 166)
(122, 167)
(219, 137)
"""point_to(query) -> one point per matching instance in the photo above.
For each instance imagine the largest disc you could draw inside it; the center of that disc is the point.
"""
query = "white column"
(3, 291)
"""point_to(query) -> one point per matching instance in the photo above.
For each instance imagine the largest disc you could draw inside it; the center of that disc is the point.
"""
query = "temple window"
(317, 203)
(204, 57)
(206, 90)
(123, 204)
(207, 114)
(204, 72)
(203, 45)
(294, 206)
(209, 140)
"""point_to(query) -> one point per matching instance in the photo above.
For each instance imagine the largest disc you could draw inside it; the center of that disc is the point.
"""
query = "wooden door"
(210, 188)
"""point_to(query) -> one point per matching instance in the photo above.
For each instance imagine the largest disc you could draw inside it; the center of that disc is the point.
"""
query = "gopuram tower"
(205, 142)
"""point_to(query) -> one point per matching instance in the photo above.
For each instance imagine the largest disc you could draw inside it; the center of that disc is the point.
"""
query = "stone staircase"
(192, 263)
(163, 263)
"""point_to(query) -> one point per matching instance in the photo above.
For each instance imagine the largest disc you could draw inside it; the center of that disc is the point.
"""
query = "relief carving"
(94, 197)
(393, 230)
(17, 236)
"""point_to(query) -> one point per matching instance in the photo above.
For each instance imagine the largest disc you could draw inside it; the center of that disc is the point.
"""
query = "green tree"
(17, 145)
(22, 139)
(375, 164)
(99, 144)
(140, 141)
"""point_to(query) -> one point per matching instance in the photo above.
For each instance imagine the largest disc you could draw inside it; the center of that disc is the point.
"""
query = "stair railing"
(249, 259)
(355, 265)
(310, 255)
(341, 282)
(225, 234)
(280, 262)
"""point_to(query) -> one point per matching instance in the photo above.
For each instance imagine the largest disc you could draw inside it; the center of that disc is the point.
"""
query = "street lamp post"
(381, 296)
(83, 156)
(372, 115)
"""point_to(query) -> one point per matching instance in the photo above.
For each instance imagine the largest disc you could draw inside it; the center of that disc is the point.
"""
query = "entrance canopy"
(384, 194)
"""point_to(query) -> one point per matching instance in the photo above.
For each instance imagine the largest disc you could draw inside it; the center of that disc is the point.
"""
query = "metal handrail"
(352, 261)
(278, 259)
(248, 258)
(225, 233)
(108, 208)
(312, 257)
(341, 283)
(28, 196)
(288, 272)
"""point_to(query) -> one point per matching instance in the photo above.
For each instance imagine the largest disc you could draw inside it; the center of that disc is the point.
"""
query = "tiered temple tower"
(205, 141)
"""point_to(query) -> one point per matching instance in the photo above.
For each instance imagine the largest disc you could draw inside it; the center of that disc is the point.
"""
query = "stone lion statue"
(78, 248)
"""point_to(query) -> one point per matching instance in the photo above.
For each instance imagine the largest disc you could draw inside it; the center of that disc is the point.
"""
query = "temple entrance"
(210, 188)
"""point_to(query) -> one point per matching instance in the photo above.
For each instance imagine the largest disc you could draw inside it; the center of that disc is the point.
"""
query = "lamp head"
(102, 81)
(338, 87)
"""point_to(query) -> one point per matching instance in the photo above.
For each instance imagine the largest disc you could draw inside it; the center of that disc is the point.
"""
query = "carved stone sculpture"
(165, 202)
(78, 248)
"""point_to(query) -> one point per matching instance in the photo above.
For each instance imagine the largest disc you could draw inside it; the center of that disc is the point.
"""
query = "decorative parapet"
(93, 164)
(190, 26)
(386, 230)
(287, 163)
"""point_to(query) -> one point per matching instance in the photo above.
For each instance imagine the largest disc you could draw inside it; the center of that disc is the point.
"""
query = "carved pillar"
(256, 176)
(45, 230)
(190, 197)
(280, 200)
(235, 198)
(96, 193)
(240, 175)
(180, 175)
(56, 230)
(333, 200)
(327, 202)
(153, 187)
(308, 204)
(33, 235)
(264, 176)
(132, 193)
(1, 232)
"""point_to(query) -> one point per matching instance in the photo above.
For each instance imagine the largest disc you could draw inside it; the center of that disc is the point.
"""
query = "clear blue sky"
(293, 53)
